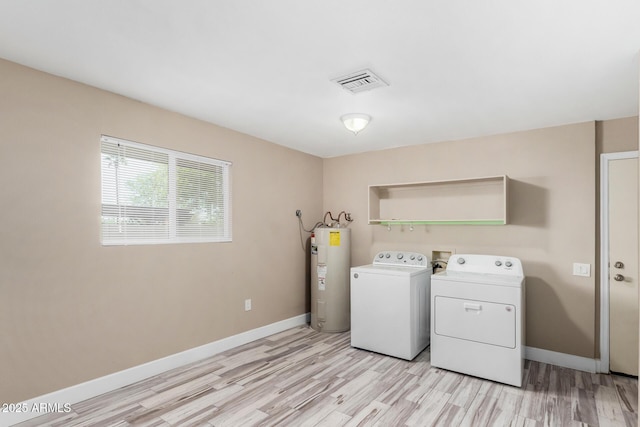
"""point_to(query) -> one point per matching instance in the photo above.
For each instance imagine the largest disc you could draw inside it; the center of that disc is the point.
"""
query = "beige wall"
(552, 216)
(613, 136)
(71, 310)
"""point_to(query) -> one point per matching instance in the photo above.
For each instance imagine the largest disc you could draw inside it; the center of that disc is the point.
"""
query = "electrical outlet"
(298, 213)
(247, 305)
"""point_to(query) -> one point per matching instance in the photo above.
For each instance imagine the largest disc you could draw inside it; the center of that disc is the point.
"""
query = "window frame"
(173, 157)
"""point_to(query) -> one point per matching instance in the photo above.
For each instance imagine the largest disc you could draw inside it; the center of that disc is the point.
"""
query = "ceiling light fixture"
(355, 122)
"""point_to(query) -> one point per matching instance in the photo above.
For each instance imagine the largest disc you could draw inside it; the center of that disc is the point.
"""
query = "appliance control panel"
(399, 258)
(485, 264)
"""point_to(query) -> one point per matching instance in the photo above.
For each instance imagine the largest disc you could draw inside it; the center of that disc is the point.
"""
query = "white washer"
(390, 304)
(477, 317)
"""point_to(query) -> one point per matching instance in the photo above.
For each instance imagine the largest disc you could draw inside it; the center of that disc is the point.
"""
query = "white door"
(623, 265)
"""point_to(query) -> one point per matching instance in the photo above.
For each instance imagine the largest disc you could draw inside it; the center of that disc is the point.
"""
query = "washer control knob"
(498, 263)
(419, 257)
(460, 260)
(380, 255)
(355, 275)
(508, 264)
(400, 256)
(412, 257)
(387, 255)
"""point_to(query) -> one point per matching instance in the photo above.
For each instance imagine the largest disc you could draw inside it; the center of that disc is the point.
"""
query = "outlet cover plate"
(583, 270)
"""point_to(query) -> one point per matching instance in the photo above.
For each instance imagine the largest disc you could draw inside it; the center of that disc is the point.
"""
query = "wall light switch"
(581, 269)
(247, 305)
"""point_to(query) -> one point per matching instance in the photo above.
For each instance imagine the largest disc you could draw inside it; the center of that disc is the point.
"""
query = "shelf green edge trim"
(477, 222)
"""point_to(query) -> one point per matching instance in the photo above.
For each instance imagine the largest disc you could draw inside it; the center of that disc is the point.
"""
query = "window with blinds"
(152, 195)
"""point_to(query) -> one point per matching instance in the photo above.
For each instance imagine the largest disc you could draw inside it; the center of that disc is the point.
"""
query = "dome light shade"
(355, 122)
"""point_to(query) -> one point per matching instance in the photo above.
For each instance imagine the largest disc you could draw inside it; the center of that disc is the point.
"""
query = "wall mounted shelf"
(470, 201)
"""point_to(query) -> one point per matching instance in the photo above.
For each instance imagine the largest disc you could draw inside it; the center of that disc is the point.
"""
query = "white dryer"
(477, 317)
(390, 304)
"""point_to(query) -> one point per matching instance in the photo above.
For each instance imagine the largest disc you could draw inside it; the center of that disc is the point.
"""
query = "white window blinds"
(154, 195)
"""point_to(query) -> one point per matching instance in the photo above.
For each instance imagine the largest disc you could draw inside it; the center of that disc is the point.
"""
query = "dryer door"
(479, 321)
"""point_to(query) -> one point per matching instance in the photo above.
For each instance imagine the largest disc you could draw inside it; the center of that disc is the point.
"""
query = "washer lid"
(391, 270)
(479, 278)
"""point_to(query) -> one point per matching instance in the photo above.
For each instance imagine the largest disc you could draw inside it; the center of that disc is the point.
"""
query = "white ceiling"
(456, 68)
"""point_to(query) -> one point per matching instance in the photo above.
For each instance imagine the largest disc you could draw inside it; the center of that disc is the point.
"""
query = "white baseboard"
(56, 400)
(561, 359)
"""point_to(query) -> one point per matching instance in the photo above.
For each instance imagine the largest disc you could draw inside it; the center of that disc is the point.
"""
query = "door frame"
(602, 364)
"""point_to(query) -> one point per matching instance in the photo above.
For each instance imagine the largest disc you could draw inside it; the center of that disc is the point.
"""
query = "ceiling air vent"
(360, 81)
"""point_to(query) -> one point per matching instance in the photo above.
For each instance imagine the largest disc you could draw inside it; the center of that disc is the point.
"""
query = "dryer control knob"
(381, 256)
(419, 257)
(412, 257)
(387, 256)
(508, 264)
(355, 275)
(498, 263)
(400, 256)
(460, 260)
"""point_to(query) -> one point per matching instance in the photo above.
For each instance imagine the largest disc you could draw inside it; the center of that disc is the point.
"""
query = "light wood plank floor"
(304, 378)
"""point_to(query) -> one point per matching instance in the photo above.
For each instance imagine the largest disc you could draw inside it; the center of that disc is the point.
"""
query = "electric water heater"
(330, 266)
